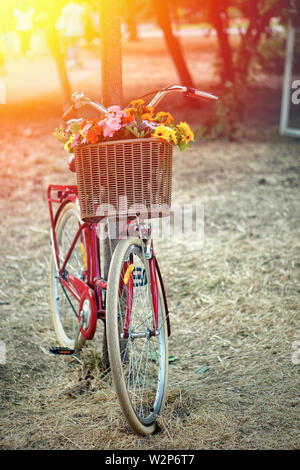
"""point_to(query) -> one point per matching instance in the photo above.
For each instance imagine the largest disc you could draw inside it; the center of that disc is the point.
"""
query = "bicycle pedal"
(59, 350)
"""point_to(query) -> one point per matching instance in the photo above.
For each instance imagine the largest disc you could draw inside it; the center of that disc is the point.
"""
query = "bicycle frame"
(93, 287)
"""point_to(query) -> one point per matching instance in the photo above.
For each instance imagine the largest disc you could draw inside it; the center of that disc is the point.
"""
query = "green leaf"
(202, 369)
(182, 145)
(173, 359)
(193, 354)
(131, 129)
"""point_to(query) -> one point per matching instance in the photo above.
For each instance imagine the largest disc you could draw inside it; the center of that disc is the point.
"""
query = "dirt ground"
(233, 382)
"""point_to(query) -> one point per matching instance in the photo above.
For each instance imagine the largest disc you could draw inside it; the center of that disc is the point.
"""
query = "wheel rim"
(64, 304)
(143, 356)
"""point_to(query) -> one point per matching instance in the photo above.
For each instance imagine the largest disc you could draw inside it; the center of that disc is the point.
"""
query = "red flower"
(97, 129)
(83, 124)
(128, 118)
(91, 138)
(72, 163)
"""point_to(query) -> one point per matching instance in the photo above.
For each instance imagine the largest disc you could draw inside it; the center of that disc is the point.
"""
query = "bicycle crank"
(68, 351)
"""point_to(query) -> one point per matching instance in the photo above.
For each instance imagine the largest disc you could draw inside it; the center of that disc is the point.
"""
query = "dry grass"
(234, 310)
(234, 304)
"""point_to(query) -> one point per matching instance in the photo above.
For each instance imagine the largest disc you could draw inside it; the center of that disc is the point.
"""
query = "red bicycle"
(131, 301)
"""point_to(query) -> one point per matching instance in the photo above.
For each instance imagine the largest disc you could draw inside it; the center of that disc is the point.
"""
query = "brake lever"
(80, 99)
(194, 93)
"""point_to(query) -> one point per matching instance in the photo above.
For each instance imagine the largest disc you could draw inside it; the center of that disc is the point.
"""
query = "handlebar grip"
(201, 95)
(69, 114)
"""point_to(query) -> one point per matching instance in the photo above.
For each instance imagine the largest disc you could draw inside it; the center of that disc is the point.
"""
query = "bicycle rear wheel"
(64, 307)
(139, 361)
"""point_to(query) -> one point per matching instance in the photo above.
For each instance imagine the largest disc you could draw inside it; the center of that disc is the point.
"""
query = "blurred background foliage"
(261, 26)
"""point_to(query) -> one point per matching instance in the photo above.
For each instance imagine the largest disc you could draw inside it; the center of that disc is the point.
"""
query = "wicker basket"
(125, 177)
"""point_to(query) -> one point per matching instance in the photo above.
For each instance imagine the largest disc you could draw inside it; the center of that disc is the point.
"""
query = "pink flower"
(76, 140)
(110, 126)
(114, 109)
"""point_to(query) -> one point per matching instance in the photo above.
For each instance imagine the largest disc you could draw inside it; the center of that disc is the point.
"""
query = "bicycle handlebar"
(69, 114)
(188, 91)
(79, 99)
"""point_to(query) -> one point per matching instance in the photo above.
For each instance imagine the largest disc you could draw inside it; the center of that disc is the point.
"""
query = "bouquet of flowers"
(136, 121)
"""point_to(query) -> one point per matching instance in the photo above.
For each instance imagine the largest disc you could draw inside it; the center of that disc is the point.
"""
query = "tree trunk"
(111, 72)
(111, 53)
(162, 12)
(131, 19)
(219, 20)
(249, 45)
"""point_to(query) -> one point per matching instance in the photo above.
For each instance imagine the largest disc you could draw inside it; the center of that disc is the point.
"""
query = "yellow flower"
(165, 133)
(67, 145)
(172, 136)
(160, 132)
(187, 133)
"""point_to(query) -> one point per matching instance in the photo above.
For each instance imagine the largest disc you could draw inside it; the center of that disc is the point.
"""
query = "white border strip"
(284, 128)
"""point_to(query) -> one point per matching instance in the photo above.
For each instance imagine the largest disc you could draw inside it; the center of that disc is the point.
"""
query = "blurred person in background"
(91, 23)
(72, 26)
(24, 24)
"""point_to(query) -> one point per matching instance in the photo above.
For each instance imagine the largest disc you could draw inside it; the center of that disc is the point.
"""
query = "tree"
(218, 17)
(129, 9)
(111, 52)
(162, 12)
(258, 13)
(55, 48)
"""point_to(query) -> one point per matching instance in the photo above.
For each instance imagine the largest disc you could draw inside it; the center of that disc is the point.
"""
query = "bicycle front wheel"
(138, 358)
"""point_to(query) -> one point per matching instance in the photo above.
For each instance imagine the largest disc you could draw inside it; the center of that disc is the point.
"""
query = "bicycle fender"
(85, 293)
(164, 296)
(68, 198)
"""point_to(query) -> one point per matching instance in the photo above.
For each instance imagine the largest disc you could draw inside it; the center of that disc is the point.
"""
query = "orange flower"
(136, 103)
(165, 118)
(149, 109)
(147, 117)
(131, 112)
(83, 124)
(148, 113)
(91, 138)
(97, 129)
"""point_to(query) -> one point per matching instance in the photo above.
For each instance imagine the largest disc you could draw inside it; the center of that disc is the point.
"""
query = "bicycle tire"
(139, 365)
